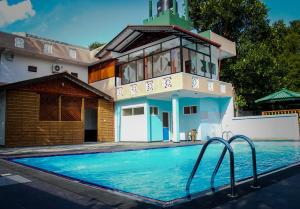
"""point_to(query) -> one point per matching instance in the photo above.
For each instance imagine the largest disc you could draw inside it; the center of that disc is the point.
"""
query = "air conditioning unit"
(57, 68)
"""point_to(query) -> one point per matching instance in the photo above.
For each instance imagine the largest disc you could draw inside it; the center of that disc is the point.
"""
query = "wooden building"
(54, 110)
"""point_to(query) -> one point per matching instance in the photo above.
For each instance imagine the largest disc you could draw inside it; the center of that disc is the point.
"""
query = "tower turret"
(167, 14)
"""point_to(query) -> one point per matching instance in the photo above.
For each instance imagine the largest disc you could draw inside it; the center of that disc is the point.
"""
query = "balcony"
(178, 83)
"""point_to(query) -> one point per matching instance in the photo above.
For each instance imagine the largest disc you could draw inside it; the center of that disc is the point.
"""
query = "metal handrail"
(255, 181)
(231, 155)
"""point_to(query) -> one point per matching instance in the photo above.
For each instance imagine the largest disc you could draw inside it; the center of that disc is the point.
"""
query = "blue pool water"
(162, 174)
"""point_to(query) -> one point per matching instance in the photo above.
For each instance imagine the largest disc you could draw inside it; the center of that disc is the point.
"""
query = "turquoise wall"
(207, 121)
(156, 124)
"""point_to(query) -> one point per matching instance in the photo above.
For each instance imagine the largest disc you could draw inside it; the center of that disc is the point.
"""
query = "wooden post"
(59, 108)
(82, 110)
(98, 122)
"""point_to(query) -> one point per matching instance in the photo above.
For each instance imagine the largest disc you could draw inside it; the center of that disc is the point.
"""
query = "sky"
(82, 22)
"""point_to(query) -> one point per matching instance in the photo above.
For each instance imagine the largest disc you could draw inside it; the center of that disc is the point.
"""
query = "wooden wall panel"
(23, 127)
(106, 127)
(102, 71)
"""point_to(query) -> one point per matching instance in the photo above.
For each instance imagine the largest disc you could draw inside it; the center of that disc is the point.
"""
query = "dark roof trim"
(54, 76)
(172, 29)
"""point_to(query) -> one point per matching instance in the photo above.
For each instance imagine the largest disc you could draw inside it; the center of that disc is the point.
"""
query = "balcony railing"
(169, 84)
(283, 112)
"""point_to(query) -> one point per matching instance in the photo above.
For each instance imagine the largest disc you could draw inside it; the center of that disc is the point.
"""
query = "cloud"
(12, 13)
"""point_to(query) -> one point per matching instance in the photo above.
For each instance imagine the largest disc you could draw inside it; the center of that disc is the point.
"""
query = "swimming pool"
(161, 174)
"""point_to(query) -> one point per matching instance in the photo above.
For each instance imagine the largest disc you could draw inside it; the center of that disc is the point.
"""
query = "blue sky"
(84, 21)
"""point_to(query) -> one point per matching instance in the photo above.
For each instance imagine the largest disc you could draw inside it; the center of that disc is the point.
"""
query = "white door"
(133, 124)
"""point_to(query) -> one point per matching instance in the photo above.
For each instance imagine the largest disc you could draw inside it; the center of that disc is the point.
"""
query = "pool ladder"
(231, 158)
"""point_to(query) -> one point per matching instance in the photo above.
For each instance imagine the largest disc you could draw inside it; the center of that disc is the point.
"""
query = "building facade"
(153, 82)
(165, 83)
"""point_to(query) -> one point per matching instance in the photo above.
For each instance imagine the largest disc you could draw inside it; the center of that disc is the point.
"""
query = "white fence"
(278, 127)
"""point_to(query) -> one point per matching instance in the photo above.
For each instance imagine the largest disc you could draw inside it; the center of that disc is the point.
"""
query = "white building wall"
(107, 86)
(17, 69)
(2, 117)
(279, 127)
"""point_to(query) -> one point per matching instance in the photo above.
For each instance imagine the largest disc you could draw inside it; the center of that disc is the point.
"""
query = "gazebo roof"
(281, 96)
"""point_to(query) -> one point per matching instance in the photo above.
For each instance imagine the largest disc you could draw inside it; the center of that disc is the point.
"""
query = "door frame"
(169, 123)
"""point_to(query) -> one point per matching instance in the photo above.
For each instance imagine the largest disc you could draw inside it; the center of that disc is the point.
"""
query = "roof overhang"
(131, 33)
(64, 75)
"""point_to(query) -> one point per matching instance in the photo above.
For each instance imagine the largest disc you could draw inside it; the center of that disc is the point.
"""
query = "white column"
(175, 119)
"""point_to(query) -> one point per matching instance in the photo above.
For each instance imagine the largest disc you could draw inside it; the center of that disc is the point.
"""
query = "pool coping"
(141, 198)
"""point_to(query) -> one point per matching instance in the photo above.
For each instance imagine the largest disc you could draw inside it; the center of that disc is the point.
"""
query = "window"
(48, 48)
(140, 70)
(162, 64)
(188, 44)
(136, 55)
(190, 110)
(74, 74)
(32, 69)
(175, 58)
(138, 111)
(171, 44)
(71, 108)
(133, 111)
(19, 42)
(128, 72)
(154, 110)
(48, 107)
(152, 50)
(127, 112)
(213, 68)
(203, 49)
(73, 53)
(148, 67)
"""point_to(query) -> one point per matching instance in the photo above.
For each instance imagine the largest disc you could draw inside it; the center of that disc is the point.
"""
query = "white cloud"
(12, 13)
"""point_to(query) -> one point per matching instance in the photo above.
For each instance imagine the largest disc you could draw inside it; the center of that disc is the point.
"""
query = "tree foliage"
(95, 45)
(268, 55)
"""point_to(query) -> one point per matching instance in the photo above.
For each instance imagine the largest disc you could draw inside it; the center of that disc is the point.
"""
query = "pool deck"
(24, 188)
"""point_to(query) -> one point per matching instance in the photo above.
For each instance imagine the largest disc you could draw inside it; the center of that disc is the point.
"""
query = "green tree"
(268, 56)
(95, 45)
(231, 18)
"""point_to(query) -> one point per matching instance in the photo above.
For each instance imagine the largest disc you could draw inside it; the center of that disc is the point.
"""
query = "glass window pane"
(140, 70)
(204, 67)
(187, 110)
(127, 112)
(148, 67)
(188, 44)
(175, 57)
(166, 63)
(138, 111)
(123, 59)
(125, 74)
(152, 50)
(213, 68)
(203, 49)
(200, 68)
(154, 110)
(186, 61)
(193, 58)
(171, 44)
(207, 60)
(193, 109)
(162, 64)
(128, 73)
(165, 120)
(136, 55)
(156, 65)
